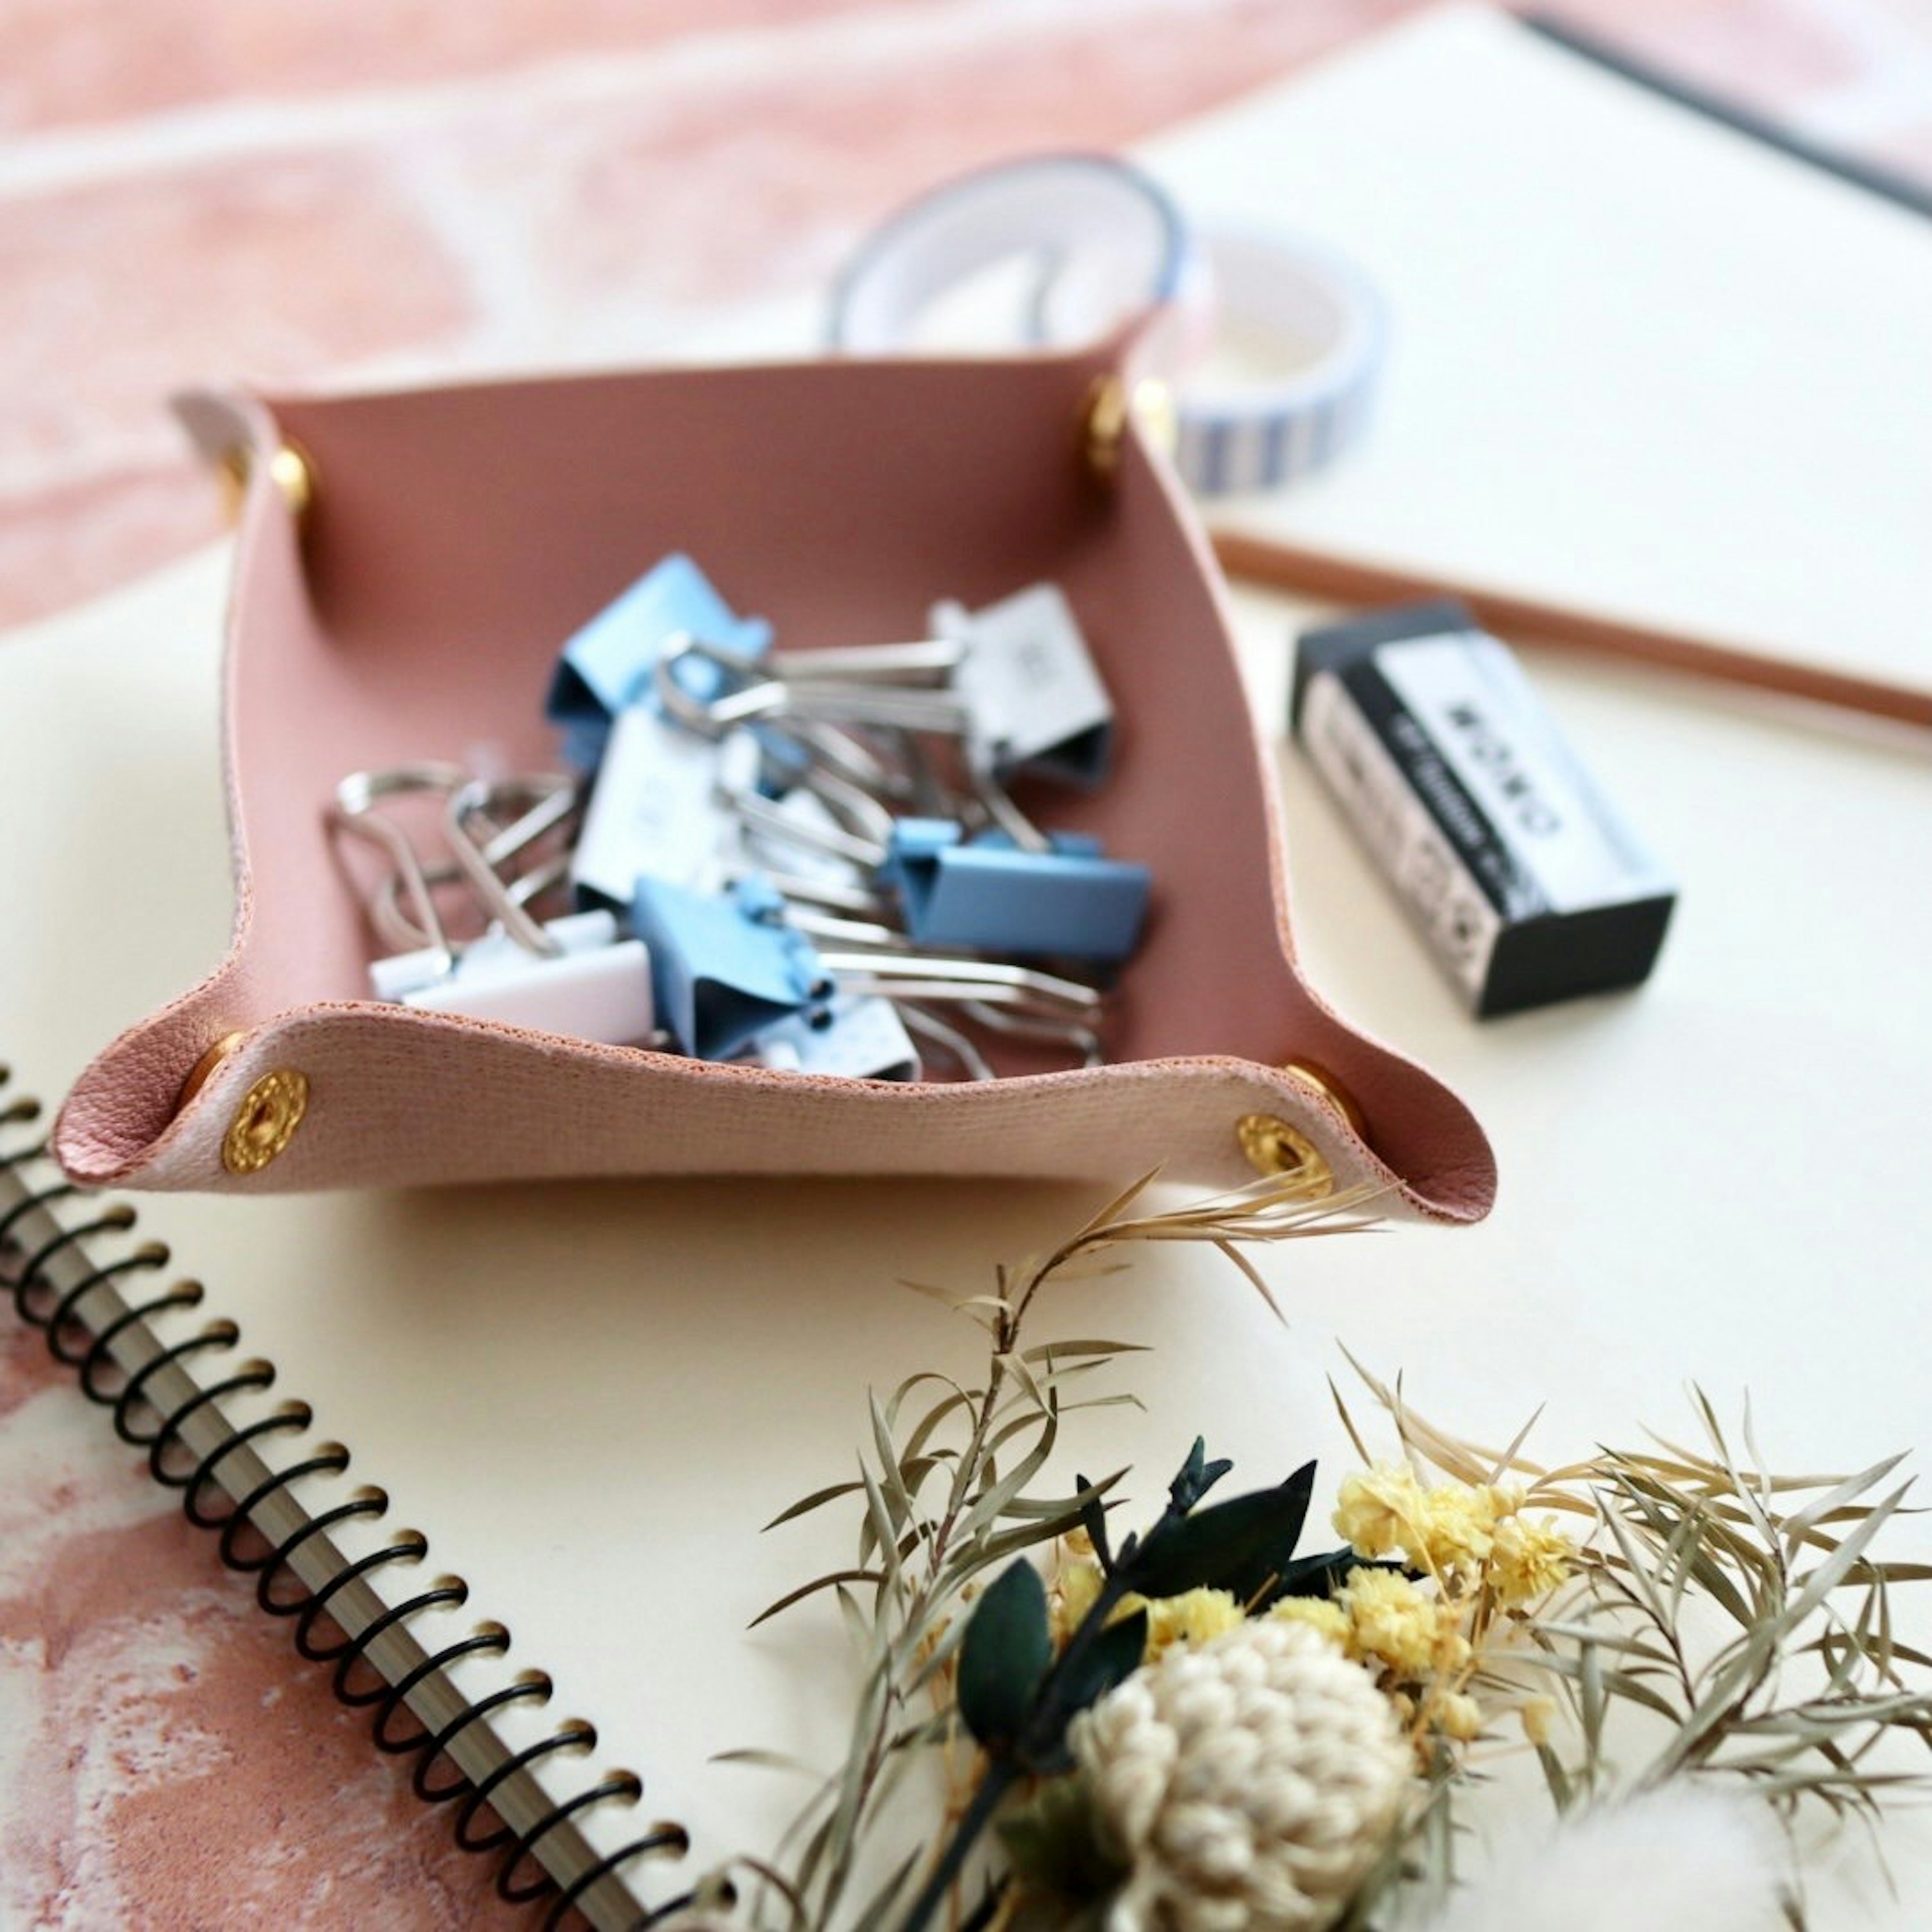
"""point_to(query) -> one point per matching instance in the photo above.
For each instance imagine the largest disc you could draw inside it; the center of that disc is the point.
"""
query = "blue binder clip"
(988, 895)
(725, 967)
(611, 663)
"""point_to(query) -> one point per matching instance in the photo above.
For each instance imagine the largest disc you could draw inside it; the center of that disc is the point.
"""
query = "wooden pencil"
(1268, 561)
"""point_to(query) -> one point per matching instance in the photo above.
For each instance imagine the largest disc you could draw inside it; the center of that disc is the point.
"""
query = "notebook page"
(590, 1396)
(1642, 365)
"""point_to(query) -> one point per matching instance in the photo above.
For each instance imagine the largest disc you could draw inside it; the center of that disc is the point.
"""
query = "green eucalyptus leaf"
(1112, 1657)
(1243, 1545)
(1007, 1651)
(1093, 1520)
(1197, 1477)
(1319, 1575)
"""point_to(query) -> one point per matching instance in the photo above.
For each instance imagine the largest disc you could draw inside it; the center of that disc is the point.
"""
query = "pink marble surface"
(194, 188)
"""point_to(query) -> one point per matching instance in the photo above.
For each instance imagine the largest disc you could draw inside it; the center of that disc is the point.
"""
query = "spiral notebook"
(587, 1398)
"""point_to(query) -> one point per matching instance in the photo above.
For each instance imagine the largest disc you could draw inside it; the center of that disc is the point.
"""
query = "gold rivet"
(203, 1070)
(290, 469)
(1272, 1147)
(266, 1122)
(1330, 1090)
(1105, 426)
(231, 473)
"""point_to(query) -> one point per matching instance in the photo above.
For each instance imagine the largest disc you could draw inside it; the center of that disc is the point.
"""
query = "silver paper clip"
(935, 1032)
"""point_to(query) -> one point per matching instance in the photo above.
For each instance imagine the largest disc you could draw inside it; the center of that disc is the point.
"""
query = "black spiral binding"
(279, 1590)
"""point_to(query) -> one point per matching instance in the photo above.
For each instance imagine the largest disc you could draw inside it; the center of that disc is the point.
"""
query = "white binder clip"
(653, 812)
(570, 975)
(1036, 702)
(596, 986)
(861, 1038)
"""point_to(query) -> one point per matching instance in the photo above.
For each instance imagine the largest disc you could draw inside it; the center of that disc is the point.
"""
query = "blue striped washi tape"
(1313, 330)
(1105, 241)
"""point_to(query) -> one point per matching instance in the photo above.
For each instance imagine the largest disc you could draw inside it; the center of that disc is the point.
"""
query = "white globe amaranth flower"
(1248, 1783)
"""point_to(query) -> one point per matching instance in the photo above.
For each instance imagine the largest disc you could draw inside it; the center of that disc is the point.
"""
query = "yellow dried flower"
(1537, 1714)
(1319, 1613)
(1457, 1528)
(1191, 1619)
(1452, 1649)
(1447, 1530)
(1459, 1716)
(1390, 1619)
(1080, 1581)
(1528, 1559)
(1382, 1510)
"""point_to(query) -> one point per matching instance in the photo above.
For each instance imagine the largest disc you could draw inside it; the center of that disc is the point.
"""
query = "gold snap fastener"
(1112, 402)
(266, 1122)
(203, 1070)
(290, 470)
(1330, 1090)
(1273, 1147)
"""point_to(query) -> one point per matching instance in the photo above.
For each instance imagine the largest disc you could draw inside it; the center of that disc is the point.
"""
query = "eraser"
(1527, 883)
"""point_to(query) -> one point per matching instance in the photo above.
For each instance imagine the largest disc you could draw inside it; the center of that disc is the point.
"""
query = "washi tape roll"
(1293, 334)
(1103, 241)
(1300, 336)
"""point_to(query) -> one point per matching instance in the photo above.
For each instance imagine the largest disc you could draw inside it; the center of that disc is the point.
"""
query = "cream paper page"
(1642, 365)
(591, 1397)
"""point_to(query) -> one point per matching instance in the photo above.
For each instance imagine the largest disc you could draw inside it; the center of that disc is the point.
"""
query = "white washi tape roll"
(1293, 334)
(1103, 240)
(1299, 340)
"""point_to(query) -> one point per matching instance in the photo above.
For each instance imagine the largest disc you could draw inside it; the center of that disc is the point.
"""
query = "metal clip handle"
(353, 810)
(543, 810)
(821, 699)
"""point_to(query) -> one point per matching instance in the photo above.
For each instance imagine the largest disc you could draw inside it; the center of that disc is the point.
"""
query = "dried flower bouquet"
(1201, 1727)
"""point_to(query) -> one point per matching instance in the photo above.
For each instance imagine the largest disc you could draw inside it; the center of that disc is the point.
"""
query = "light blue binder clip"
(725, 967)
(988, 895)
(611, 663)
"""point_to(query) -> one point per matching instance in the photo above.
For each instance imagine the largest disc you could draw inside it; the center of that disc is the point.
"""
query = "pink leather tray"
(454, 536)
